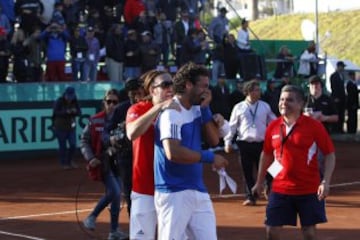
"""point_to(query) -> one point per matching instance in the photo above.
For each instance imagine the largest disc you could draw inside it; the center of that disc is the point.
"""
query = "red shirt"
(300, 174)
(132, 10)
(143, 152)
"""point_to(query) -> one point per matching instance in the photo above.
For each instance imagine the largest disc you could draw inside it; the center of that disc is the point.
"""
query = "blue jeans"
(132, 72)
(217, 68)
(90, 71)
(64, 137)
(78, 69)
(112, 195)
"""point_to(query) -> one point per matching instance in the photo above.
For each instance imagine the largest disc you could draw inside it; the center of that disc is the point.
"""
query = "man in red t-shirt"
(140, 129)
(290, 155)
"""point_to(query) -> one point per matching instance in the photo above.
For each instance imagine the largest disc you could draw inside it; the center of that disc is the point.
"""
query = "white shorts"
(187, 214)
(142, 216)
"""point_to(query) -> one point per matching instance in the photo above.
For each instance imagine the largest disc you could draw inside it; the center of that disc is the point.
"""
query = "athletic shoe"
(249, 202)
(118, 235)
(89, 222)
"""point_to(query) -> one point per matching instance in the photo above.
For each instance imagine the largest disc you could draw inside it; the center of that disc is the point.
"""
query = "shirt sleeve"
(170, 125)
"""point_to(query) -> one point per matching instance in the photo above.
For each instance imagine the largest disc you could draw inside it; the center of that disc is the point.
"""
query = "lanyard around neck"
(253, 114)
(284, 138)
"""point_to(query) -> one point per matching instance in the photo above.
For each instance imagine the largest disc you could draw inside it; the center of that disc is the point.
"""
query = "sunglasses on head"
(109, 101)
(164, 84)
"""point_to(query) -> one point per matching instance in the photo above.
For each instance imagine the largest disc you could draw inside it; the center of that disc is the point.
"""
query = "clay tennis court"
(38, 201)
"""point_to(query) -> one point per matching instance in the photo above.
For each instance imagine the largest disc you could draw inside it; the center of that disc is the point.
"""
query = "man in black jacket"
(337, 80)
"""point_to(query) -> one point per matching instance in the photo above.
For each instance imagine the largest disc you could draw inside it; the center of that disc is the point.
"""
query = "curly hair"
(188, 72)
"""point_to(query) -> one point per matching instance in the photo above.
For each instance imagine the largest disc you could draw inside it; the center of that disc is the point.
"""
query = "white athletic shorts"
(187, 214)
(142, 216)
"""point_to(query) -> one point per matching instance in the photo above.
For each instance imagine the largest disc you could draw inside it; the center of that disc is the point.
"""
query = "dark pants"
(339, 126)
(126, 178)
(250, 156)
(352, 120)
(66, 137)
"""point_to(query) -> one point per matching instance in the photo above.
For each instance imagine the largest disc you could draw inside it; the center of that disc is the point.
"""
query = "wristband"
(207, 156)
(206, 114)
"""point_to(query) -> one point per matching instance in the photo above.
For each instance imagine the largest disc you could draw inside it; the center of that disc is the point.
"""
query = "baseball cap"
(340, 63)
(70, 93)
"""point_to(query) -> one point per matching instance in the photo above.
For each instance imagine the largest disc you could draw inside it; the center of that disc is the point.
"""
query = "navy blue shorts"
(283, 210)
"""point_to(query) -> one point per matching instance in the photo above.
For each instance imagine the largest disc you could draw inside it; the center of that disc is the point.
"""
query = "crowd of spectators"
(129, 36)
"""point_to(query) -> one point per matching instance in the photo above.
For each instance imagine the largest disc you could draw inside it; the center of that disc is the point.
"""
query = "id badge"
(91, 57)
(275, 168)
(79, 55)
(252, 132)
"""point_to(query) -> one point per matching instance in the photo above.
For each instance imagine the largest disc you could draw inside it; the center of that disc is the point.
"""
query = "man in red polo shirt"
(290, 155)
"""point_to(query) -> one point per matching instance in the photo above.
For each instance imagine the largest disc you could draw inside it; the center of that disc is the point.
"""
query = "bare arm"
(141, 125)
(264, 164)
(324, 188)
(138, 127)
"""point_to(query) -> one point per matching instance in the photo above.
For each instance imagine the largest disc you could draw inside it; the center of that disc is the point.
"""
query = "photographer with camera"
(102, 166)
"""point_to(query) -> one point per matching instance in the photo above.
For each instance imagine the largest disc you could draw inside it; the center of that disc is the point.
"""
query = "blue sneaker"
(89, 222)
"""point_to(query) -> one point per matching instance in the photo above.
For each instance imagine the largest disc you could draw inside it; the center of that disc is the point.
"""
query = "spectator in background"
(29, 12)
(271, 96)
(308, 65)
(78, 51)
(65, 111)
(181, 30)
(337, 83)
(190, 47)
(237, 95)
(57, 16)
(285, 63)
(149, 53)
(20, 52)
(132, 10)
(202, 57)
(34, 57)
(92, 56)
(243, 37)
(71, 10)
(162, 36)
(5, 22)
(219, 27)
(55, 38)
(115, 53)
(231, 57)
(249, 120)
(320, 105)
(352, 103)
(5, 53)
(221, 98)
(132, 60)
(169, 8)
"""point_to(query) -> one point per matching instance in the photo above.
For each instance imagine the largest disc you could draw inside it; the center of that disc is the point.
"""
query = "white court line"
(222, 196)
(45, 214)
(20, 235)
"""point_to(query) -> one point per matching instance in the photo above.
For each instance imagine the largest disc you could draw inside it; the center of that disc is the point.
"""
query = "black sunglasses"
(164, 84)
(108, 102)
